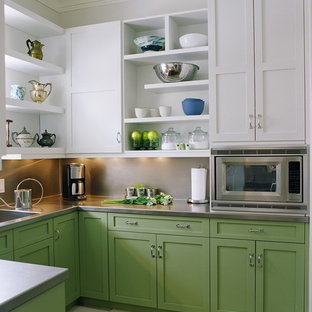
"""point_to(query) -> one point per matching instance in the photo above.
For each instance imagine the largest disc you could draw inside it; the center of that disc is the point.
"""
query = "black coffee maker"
(74, 182)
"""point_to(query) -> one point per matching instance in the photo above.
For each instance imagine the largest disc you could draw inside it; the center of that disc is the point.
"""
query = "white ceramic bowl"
(141, 112)
(154, 112)
(164, 111)
(193, 40)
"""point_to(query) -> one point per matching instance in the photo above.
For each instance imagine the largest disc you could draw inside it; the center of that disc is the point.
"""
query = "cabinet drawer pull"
(118, 137)
(259, 124)
(251, 124)
(132, 222)
(183, 226)
(57, 236)
(159, 252)
(251, 230)
(259, 261)
(153, 251)
(251, 264)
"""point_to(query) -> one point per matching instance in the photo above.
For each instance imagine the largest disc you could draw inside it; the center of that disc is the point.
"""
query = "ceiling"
(69, 5)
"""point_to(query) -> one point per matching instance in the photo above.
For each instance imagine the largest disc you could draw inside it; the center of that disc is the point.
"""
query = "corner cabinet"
(256, 71)
(21, 25)
(94, 85)
(142, 88)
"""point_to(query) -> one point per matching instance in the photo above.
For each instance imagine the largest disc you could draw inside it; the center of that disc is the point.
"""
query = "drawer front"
(157, 224)
(6, 242)
(32, 233)
(257, 230)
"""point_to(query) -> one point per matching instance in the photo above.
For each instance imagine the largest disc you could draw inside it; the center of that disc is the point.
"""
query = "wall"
(111, 176)
(46, 171)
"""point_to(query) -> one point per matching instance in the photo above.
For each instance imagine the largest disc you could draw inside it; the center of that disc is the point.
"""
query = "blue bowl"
(150, 43)
(193, 106)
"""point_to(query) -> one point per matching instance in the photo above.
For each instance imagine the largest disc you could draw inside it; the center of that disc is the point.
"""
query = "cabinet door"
(38, 253)
(280, 277)
(93, 254)
(7, 256)
(232, 275)
(183, 273)
(231, 70)
(2, 85)
(279, 70)
(95, 88)
(66, 252)
(132, 268)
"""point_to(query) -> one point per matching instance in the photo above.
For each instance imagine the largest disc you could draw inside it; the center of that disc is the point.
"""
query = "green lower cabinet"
(183, 273)
(174, 267)
(93, 254)
(52, 300)
(66, 252)
(257, 276)
(280, 277)
(132, 268)
(7, 256)
(38, 253)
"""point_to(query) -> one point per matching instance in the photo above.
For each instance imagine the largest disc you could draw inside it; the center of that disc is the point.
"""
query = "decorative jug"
(34, 49)
(38, 94)
(24, 138)
(46, 139)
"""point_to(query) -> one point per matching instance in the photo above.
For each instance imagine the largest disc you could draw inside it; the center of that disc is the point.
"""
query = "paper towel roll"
(199, 180)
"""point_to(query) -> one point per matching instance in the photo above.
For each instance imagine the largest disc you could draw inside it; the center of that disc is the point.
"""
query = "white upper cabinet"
(94, 84)
(256, 71)
(2, 84)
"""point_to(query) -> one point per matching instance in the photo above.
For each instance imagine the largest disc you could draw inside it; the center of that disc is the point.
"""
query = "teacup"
(17, 92)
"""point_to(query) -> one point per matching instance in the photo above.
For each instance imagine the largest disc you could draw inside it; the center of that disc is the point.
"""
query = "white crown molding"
(70, 5)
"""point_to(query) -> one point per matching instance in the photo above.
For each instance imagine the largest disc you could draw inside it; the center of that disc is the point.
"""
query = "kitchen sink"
(7, 215)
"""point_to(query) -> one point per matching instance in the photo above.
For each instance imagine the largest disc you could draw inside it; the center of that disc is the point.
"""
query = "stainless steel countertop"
(21, 282)
(56, 205)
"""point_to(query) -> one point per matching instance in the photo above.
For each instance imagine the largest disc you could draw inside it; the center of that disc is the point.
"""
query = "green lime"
(136, 139)
(153, 139)
(146, 141)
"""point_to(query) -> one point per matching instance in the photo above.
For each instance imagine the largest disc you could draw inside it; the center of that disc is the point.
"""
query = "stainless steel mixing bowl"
(175, 71)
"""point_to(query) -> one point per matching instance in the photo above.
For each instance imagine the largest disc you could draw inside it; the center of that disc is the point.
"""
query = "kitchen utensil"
(24, 138)
(17, 92)
(175, 71)
(141, 112)
(165, 111)
(47, 139)
(150, 43)
(38, 94)
(35, 49)
(198, 139)
(22, 197)
(193, 106)
(193, 40)
(170, 139)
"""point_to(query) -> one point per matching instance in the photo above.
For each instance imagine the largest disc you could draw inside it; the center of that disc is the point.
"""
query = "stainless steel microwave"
(259, 179)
